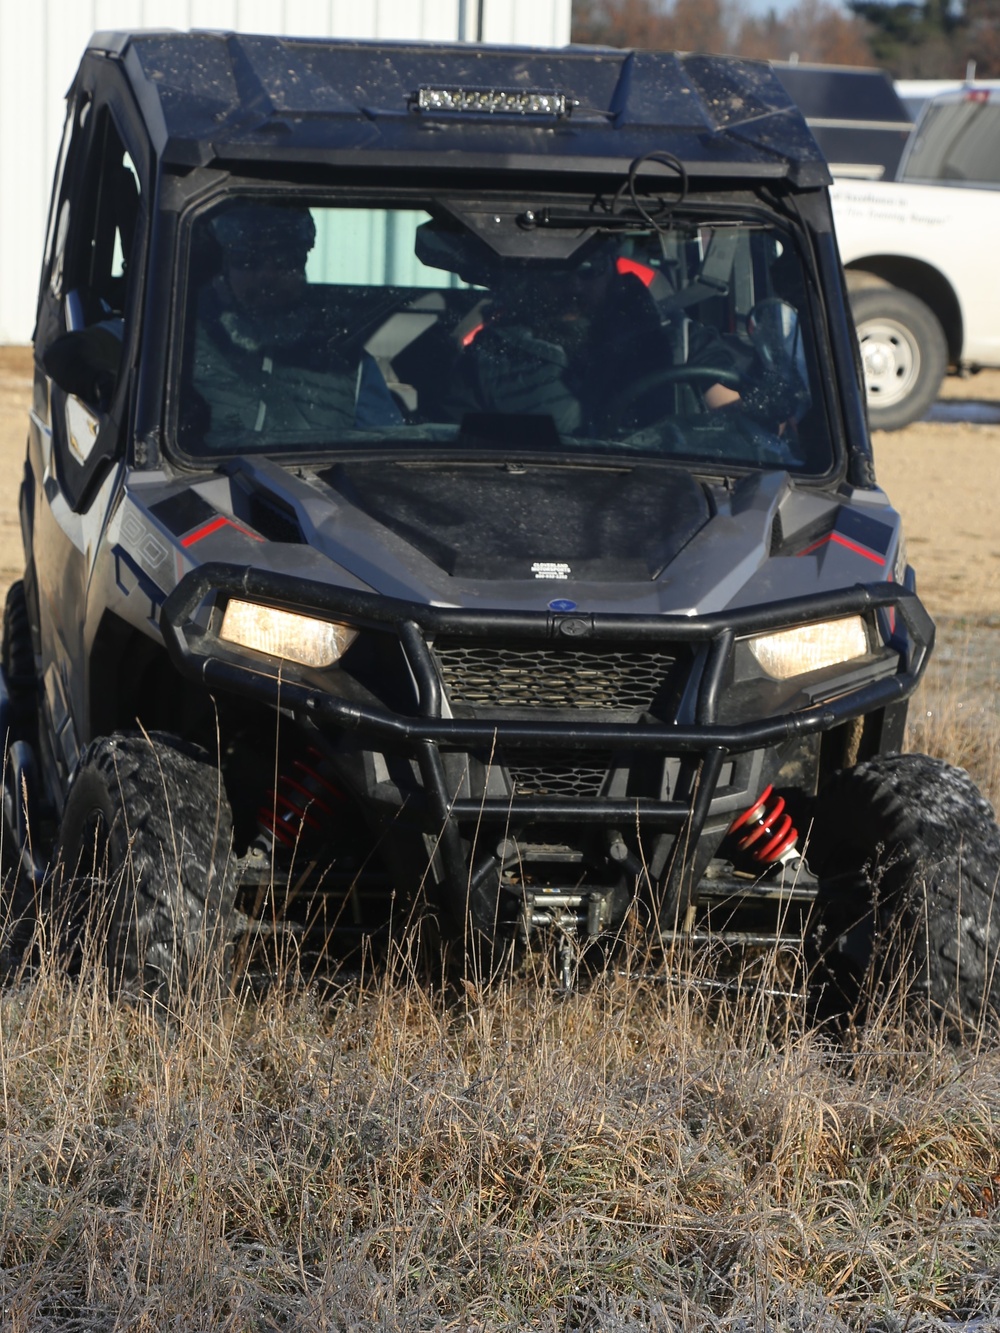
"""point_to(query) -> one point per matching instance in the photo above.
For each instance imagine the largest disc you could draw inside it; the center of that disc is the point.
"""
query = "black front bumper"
(701, 746)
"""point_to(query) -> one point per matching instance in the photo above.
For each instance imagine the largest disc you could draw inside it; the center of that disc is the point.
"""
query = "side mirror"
(85, 362)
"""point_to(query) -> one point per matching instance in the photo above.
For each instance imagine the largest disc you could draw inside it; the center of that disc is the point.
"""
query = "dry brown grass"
(956, 714)
(381, 1153)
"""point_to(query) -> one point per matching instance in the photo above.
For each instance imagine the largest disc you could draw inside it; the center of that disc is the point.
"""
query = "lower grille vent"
(540, 775)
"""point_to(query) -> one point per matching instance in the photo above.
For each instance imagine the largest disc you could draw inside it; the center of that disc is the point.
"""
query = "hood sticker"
(842, 541)
(213, 525)
(551, 569)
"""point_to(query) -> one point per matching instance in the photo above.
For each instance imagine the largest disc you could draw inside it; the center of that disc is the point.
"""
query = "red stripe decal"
(808, 550)
(213, 525)
(844, 541)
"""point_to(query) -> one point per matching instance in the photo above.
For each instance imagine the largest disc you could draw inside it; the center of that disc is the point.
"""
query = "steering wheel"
(657, 379)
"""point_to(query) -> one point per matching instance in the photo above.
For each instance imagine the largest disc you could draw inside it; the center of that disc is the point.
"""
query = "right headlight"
(796, 652)
(298, 638)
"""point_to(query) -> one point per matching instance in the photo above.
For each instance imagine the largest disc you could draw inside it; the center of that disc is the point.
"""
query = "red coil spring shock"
(768, 832)
(304, 798)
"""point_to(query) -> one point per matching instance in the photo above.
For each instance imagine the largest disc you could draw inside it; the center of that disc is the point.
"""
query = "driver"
(572, 343)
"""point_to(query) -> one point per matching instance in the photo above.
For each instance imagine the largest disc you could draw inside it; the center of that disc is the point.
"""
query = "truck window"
(957, 143)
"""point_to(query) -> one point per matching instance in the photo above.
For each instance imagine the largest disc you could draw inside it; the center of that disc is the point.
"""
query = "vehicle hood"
(515, 522)
(615, 538)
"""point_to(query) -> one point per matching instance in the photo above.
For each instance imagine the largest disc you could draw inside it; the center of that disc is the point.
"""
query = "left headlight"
(298, 638)
(796, 652)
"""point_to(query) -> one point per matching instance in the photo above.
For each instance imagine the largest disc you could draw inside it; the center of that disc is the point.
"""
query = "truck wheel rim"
(890, 356)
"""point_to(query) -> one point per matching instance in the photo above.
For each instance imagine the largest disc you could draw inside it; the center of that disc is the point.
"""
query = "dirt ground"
(15, 399)
(944, 476)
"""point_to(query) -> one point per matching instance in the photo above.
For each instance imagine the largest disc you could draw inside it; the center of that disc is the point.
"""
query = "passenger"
(266, 362)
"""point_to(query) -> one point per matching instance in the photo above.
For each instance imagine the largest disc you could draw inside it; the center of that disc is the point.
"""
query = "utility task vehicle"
(448, 491)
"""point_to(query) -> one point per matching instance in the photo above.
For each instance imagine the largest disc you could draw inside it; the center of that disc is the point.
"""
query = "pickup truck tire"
(903, 353)
(143, 874)
(907, 852)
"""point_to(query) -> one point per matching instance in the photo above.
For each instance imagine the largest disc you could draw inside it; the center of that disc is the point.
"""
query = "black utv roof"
(230, 98)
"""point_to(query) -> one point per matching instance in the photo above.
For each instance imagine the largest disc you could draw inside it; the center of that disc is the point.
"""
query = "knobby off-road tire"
(903, 352)
(17, 893)
(18, 658)
(907, 851)
(144, 872)
(19, 663)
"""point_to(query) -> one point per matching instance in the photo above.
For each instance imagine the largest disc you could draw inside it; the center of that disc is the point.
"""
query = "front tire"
(17, 892)
(18, 662)
(144, 872)
(903, 353)
(907, 852)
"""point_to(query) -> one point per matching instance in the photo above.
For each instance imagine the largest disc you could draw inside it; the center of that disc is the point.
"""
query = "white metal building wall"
(40, 46)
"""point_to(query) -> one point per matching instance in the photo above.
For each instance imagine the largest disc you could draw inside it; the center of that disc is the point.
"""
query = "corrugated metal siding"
(40, 46)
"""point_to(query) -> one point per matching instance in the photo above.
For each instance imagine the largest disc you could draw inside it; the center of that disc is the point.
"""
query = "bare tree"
(934, 38)
(683, 25)
(814, 30)
(980, 38)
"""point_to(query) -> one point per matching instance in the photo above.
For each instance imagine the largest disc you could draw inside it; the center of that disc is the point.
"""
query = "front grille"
(539, 775)
(542, 675)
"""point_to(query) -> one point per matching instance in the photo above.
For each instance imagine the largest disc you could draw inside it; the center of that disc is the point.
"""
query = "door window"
(85, 309)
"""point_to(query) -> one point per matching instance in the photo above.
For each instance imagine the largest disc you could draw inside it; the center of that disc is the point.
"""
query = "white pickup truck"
(921, 257)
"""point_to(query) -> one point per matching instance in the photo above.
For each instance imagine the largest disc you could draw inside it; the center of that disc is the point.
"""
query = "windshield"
(486, 329)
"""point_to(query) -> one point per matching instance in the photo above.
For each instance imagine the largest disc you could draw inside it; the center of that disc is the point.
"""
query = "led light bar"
(493, 101)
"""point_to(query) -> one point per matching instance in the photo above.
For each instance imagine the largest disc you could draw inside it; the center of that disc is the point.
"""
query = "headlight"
(304, 639)
(795, 652)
